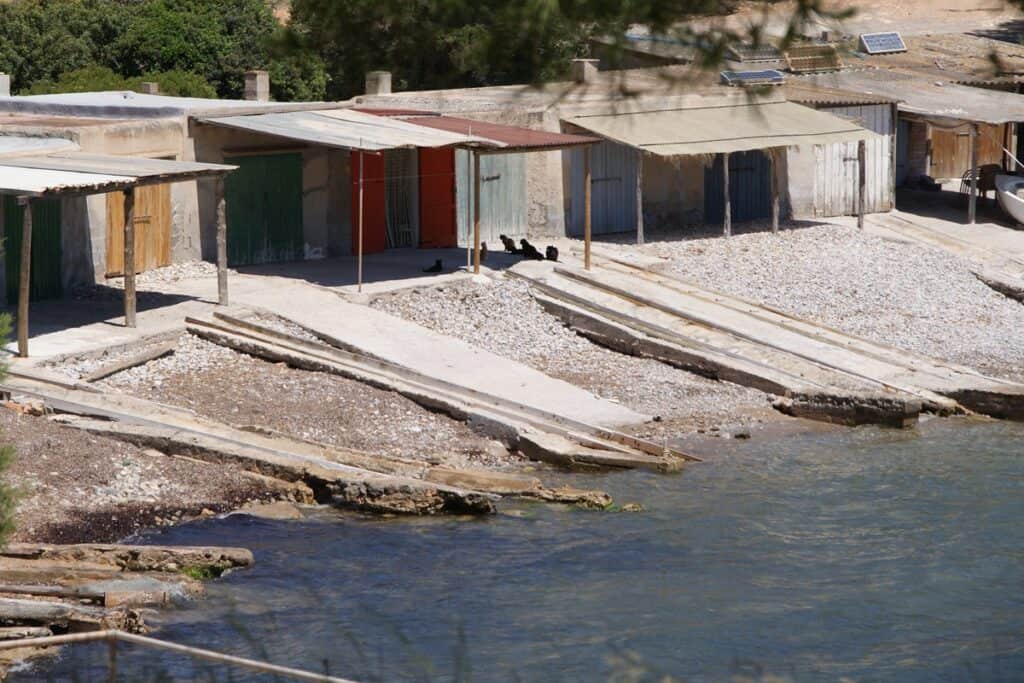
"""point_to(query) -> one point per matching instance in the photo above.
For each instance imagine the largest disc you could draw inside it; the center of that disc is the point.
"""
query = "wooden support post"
(862, 175)
(476, 212)
(359, 248)
(587, 193)
(222, 243)
(640, 198)
(129, 257)
(25, 277)
(727, 220)
(972, 202)
(773, 157)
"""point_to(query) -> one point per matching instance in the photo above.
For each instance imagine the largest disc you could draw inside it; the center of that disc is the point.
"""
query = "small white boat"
(1007, 187)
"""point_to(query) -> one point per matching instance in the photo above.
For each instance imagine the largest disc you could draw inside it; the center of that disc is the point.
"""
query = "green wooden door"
(45, 280)
(264, 209)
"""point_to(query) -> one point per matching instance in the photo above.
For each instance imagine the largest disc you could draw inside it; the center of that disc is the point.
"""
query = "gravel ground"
(502, 317)
(241, 390)
(76, 487)
(911, 297)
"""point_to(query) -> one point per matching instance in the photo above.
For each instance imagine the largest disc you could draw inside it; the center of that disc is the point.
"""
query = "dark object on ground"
(509, 243)
(436, 268)
(530, 251)
(483, 252)
(551, 253)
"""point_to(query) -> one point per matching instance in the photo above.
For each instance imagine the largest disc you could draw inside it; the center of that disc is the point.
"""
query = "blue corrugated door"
(750, 189)
(45, 276)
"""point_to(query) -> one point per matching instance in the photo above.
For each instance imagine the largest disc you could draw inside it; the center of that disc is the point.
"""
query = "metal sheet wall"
(613, 171)
(836, 174)
(749, 188)
(45, 270)
(503, 198)
(264, 209)
(401, 187)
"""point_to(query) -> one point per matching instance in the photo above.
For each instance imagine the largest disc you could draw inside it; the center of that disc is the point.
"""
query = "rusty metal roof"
(513, 138)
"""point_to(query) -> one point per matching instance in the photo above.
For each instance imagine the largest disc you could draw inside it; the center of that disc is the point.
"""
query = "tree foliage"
(429, 44)
(96, 78)
(46, 43)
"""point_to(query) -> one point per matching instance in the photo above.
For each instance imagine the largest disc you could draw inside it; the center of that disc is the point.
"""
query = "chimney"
(5, 85)
(584, 70)
(257, 86)
(378, 82)
(149, 88)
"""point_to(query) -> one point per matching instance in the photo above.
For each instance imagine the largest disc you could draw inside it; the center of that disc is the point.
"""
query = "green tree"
(98, 78)
(430, 44)
(40, 40)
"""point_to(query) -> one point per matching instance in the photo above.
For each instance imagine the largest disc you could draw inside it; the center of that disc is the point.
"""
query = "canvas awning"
(348, 129)
(79, 173)
(716, 127)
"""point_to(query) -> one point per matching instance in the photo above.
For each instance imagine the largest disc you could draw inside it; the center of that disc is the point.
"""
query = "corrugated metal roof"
(510, 137)
(15, 145)
(725, 127)
(74, 172)
(928, 97)
(809, 93)
(347, 129)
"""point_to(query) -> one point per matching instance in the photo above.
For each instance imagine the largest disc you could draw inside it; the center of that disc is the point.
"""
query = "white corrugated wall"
(503, 199)
(613, 172)
(835, 166)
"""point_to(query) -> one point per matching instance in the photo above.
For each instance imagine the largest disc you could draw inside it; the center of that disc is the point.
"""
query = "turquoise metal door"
(264, 209)
(45, 278)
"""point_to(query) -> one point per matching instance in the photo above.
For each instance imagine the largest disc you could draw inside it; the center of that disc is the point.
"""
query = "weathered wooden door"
(749, 188)
(152, 229)
(45, 278)
(437, 198)
(264, 209)
(951, 150)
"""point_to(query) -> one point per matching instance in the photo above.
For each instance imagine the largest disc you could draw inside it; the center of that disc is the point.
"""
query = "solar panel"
(765, 77)
(882, 43)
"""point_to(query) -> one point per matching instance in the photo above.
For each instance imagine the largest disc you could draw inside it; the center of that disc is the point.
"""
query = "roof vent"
(149, 88)
(378, 82)
(257, 86)
(584, 70)
(5, 85)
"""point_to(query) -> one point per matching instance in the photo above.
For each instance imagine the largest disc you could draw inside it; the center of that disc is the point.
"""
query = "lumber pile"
(52, 589)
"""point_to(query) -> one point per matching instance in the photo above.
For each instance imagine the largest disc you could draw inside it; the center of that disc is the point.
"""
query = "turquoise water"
(868, 554)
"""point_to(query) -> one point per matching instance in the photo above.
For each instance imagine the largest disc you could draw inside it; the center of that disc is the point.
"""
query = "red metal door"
(375, 237)
(437, 198)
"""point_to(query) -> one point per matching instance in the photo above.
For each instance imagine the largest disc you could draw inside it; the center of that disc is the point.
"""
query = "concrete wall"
(673, 191)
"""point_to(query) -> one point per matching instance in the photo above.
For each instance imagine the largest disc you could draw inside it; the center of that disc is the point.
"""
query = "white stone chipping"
(908, 296)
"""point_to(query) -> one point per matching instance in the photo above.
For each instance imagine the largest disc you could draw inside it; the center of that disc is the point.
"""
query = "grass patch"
(202, 573)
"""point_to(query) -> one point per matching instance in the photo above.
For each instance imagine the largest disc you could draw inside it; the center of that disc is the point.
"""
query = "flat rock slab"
(389, 338)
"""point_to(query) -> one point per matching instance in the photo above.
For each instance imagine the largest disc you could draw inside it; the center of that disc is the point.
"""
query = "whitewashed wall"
(823, 178)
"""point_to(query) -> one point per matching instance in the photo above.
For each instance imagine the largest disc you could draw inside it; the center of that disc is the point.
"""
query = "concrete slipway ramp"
(818, 372)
